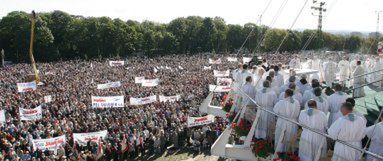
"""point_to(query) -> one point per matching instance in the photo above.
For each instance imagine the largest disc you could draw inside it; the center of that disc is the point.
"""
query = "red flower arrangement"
(289, 156)
(263, 148)
(243, 128)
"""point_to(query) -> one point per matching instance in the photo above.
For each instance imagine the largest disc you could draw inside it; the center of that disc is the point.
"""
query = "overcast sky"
(351, 15)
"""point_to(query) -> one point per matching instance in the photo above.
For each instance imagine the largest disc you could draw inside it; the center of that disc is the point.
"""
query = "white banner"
(83, 138)
(246, 60)
(107, 101)
(232, 59)
(25, 87)
(48, 98)
(109, 85)
(218, 61)
(142, 101)
(2, 116)
(31, 114)
(215, 88)
(139, 79)
(169, 98)
(150, 82)
(116, 63)
(197, 121)
(225, 73)
(224, 81)
(206, 68)
(51, 144)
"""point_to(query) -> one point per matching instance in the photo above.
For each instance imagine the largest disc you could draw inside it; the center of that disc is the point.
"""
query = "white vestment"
(257, 81)
(359, 81)
(266, 98)
(335, 102)
(309, 94)
(310, 142)
(330, 73)
(375, 133)
(322, 104)
(289, 108)
(344, 69)
(278, 80)
(297, 96)
(377, 75)
(349, 128)
(250, 91)
(316, 65)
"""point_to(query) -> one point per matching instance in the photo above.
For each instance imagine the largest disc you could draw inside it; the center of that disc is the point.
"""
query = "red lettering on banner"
(200, 119)
(99, 100)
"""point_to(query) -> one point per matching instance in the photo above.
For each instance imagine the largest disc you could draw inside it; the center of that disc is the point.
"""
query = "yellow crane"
(33, 20)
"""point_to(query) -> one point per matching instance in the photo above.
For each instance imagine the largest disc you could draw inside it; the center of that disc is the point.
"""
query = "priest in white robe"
(297, 95)
(258, 78)
(349, 128)
(378, 75)
(236, 74)
(375, 133)
(309, 94)
(344, 69)
(312, 146)
(249, 90)
(335, 102)
(330, 72)
(278, 78)
(359, 81)
(321, 102)
(290, 108)
(265, 98)
(316, 65)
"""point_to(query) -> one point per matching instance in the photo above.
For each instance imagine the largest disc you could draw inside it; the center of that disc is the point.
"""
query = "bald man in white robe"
(335, 102)
(375, 133)
(349, 128)
(290, 108)
(266, 98)
(310, 142)
(321, 102)
(251, 92)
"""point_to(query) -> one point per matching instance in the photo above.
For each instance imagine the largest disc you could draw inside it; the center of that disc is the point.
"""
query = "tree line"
(61, 36)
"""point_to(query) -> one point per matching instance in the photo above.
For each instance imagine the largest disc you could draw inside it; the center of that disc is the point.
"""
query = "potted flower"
(263, 148)
(287, 156)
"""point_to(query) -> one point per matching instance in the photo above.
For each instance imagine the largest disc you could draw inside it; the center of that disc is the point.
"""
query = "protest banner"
(116, 63)
(25, 87)
(197, 121)
(142, 101)
(51, 144)
(169, 98)
(83, 138)
(225, 73)
(31, 114)
(107, 101)
(139, 79)
(224, 81)
(150, 82)
(232, 59)
(2, 116)
(206, 67)
(109, 85)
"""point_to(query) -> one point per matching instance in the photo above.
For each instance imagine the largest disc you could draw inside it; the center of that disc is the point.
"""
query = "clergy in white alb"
(330, 70)
(344, 69)
(249, 90)
(265, 98)
(278, 78)
(335, 101)
(350, 129)
(375, 133)
(296, 95)
(290, 108)
(321, 102)
(312, 146)
(309, 94)
(359, 80)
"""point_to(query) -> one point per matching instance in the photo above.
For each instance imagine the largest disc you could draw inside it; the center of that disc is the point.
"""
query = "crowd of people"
(136, 131)
(291, 91)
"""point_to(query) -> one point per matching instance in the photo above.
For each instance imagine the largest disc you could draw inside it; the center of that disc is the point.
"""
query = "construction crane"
(33, 21)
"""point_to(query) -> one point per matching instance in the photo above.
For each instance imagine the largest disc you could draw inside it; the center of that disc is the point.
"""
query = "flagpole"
(37, 78)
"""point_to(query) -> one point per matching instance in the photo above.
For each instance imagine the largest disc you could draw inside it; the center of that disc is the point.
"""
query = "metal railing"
(364, 151)
(361, 75)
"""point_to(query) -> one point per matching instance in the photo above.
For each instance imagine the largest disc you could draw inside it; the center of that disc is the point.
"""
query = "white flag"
(206, 67)
(232, 59)
(197, 121)
(246, 60)
(48, 98)
(31, 114)
(25, 87)
(107, 101)
(142, 101)
(2, 116)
